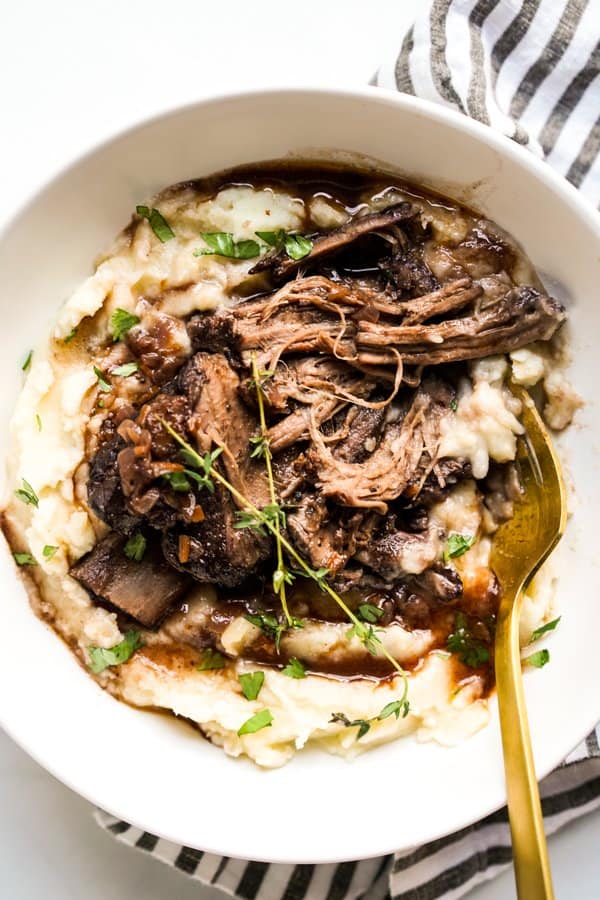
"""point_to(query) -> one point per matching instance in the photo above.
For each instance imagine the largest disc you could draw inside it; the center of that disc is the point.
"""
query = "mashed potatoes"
(56, 417)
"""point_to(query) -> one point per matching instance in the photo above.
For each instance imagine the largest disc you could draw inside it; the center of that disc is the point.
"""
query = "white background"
(71, 74)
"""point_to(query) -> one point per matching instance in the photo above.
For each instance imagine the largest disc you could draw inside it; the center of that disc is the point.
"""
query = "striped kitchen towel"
(447, 868)
(532, 70)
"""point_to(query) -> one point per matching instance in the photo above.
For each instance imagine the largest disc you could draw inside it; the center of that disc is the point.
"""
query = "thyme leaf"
(363, 725)
(471, 652)
(27, 494)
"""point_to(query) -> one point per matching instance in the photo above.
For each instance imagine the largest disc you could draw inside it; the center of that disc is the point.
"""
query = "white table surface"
(71, 74)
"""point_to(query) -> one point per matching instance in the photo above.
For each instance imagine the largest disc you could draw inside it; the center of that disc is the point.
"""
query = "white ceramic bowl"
(159, 774)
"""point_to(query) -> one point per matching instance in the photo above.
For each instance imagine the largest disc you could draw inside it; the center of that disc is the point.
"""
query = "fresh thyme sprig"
(365, 633)
(281, 575)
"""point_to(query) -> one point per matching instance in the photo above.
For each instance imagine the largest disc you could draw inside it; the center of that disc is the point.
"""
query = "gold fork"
(520, 547)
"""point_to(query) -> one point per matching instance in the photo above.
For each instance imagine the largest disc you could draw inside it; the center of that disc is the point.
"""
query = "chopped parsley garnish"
(24, 559)
(538, 659)
(27, 494)
(544, 629)
(395, 708)
(103, 382)
(458, 544)
(211, 659)
(251, 684)
(296, 245)
(135, 547)
(262, 719)
(294, 669)
(27, 361)
(49, 551)
(272, 238)
(470, 651)
(121, 321)
(454, 405)
(157, 222)
(101, 659)
(369, 613)
(126, 369)
(363, 724)
(69, 337)
(221, 243)
(271, 626)
(38, 421)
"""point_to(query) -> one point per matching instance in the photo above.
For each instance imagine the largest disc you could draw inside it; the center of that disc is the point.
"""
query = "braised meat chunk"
(307, 421)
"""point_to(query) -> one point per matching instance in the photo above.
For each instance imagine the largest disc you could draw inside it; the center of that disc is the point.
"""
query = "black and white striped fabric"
(447, 868)
(532, 70)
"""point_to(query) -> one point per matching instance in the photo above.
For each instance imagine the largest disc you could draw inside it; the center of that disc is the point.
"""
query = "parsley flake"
(251, 684)
(69, 337)
(101, 658)
(544, 629)
(294, 669)
(260, 720)
(121, 322)
(49, 551)
(27, 494)
(211, 659)
(135, 547)
(157, 222)
(126, 369)
(538, 659)
(272, 238)
(38, 421)
(296, 245)
(103, 381)
(24, 559)
(27, 361)
(221, 243)
(458, 544)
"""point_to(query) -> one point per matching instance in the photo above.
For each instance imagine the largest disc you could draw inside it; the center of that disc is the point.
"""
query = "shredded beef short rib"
(283, 266)
(353, 418)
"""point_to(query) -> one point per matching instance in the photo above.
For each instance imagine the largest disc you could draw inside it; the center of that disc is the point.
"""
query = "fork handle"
(530, 851)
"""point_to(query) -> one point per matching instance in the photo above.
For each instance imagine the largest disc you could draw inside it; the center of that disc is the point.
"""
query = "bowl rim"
(443, 115)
